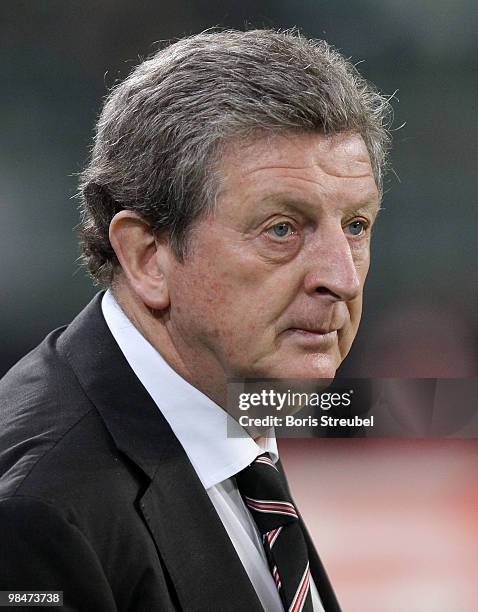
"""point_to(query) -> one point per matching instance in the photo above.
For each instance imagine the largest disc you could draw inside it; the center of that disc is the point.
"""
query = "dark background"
(60, 56)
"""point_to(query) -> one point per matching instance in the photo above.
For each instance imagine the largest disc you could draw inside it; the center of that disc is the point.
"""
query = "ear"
(143, 258)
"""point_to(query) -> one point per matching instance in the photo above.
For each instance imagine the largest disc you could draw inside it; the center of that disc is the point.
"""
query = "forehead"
(304, 166)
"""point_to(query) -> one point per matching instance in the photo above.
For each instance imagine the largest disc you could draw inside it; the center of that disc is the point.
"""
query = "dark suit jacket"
(98, 498)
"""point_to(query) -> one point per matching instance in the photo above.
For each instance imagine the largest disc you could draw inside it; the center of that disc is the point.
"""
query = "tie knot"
(264, 491)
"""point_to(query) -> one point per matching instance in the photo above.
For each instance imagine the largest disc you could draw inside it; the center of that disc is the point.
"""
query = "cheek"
(196, 298)
(209, 304)
(228, 301)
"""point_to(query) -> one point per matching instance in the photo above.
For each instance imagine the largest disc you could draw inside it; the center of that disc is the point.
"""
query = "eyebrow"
(370, 205)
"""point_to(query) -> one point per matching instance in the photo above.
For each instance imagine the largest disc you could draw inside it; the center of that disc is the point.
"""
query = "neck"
(199, 370)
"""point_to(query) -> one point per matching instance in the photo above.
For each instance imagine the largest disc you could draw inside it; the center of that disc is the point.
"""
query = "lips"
(326, 324)
(313, 337)
(312, 330)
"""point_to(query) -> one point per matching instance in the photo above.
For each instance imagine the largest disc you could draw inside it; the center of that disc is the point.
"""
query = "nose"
(331, 268)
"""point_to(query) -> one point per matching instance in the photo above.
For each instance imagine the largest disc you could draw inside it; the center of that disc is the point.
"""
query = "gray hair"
(160, 133)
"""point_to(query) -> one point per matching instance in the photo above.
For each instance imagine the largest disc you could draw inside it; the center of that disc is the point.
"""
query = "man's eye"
(281, 230)
(356, 227)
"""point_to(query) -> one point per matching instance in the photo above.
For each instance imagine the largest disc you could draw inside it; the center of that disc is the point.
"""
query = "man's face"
(273, 283)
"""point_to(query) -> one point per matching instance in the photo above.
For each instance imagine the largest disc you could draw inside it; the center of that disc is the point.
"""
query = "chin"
(319, 365)
(312, 368)
(294, 365)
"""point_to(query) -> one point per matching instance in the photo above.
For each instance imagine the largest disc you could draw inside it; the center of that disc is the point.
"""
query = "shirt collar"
(217, 446)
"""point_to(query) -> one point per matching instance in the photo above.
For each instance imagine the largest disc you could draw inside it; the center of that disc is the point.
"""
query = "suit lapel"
(202, 562)
(189, 536)
(322, 582)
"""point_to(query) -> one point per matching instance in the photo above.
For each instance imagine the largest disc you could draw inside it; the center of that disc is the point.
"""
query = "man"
(228, 205)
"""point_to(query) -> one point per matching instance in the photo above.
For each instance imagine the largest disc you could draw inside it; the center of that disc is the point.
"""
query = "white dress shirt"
(201, 427)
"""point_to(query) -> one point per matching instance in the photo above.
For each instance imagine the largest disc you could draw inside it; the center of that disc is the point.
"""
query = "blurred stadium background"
(396, 522)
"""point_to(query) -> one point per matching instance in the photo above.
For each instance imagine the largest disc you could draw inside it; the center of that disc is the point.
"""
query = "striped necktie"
(264, 491)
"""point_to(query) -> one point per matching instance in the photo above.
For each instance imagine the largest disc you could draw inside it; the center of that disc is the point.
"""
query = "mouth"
(315, 331)
(325, 338)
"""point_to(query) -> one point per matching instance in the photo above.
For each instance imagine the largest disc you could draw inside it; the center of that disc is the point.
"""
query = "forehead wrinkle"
(277, 167)
(311, 166)
(323, 189)
(322, 159)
